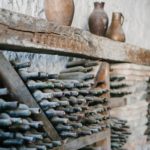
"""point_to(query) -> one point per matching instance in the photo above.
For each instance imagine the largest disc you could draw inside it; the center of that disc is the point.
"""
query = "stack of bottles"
(129, 85)
(68, 99)
(119, 133)
(148, 112)
(18, 129)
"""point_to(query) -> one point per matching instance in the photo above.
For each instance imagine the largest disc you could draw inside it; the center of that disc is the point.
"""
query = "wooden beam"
(27, 34)
(104, 75)
(19, 91)
(85, 141)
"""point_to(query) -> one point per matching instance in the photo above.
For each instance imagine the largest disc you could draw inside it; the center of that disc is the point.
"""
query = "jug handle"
(122, 19)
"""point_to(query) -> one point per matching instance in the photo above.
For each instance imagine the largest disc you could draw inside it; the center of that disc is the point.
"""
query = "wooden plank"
(129, 66)
(131, 72)
(20, 92)
(103, 75)
(23, 33)
(85, 141)
(117, 102)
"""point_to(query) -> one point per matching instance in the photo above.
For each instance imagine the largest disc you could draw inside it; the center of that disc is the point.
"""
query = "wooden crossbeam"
(85, 141)
(19, 91)
(117, 102)
(23, 33)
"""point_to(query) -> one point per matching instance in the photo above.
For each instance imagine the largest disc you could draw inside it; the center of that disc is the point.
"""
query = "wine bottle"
(32, 75)
(39, 85)
(21, 65)
(58, 120)
(8, 105)
(67, 134)
(39, 96)
(52, 113)
(3, 91)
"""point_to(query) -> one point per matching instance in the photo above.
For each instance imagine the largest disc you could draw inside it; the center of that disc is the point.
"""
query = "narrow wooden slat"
(104, 75)
(24, 33)
(129, 66)
(20, 92)
(117, 102)
(85, 141)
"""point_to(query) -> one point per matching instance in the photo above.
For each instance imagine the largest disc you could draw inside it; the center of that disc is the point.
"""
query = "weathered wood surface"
(85, 141)
(19, 91)
(129, 66)
(23, 33)
(117, 102)
(103, 75)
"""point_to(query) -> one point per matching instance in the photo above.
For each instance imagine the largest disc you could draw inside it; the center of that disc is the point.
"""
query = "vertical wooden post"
(104, 75)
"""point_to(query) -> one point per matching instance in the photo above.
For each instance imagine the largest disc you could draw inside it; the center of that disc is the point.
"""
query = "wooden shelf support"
(85, 141)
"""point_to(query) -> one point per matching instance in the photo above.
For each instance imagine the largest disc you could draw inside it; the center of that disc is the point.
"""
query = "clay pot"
(115, 31)
(98, 20)
(59, 11)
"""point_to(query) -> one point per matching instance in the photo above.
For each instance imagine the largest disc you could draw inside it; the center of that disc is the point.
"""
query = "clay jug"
(98, 20)
(115, 30)
(59, 11)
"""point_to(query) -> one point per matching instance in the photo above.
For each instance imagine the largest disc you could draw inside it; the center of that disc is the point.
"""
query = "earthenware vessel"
(115, 31)
(59, 11)
(98, 20)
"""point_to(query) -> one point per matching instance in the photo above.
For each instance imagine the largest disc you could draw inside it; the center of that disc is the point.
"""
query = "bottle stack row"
(119, 133)
(129, 84)
(74, 108)
(148, 112)
(18, 129)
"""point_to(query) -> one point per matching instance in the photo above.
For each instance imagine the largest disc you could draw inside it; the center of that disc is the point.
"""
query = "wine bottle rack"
(20, 92)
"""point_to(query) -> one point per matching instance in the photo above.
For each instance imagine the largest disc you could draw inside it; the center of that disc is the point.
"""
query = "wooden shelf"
(85, 141)
(117, 102)
(26, 34)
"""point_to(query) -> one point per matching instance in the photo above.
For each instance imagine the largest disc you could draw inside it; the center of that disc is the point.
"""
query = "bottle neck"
(98, 5)
(116, 18)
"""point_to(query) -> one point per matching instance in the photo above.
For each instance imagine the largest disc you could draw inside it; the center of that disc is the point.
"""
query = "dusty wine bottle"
(75, 124)
(25, 138)
(8, 105)
(6, 135)
(3, 91)
(52, 113)
(80, 76)
(66, 134)
(61, 127)
(5, 122)
(20, 113)
(38, 95)
(39, 85)
(32, 75)
(58, 120)
(77, 69)
(13, 142)
(33, 110)
(21, 65)
(45, 104)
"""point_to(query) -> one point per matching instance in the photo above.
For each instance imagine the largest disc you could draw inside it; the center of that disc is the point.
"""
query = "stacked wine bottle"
(129, 86)
(68, 99)
(148, 112)
(120, 132)
(18, 129)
